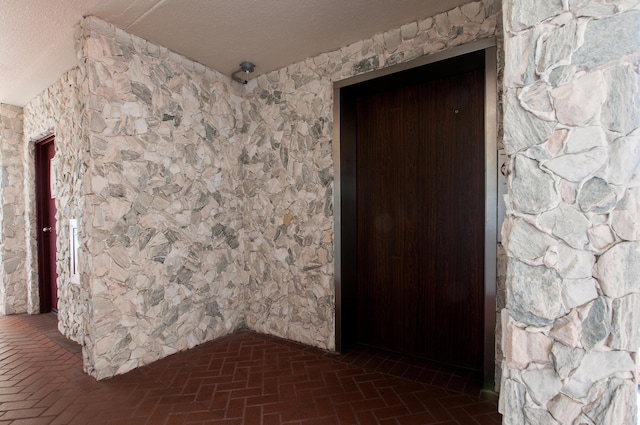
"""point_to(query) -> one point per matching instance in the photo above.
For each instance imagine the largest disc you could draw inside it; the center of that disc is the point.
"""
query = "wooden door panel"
(380, 207)
(420, 218)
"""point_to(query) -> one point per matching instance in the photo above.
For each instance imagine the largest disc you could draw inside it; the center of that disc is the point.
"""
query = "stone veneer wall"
(204, 207)
(13, 283)
(56, 111)
(289, 169)
(212, 205)
(572, 110)
(163, 236)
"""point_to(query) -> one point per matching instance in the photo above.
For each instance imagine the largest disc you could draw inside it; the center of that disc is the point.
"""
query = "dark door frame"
(42, 187)
(345, 196)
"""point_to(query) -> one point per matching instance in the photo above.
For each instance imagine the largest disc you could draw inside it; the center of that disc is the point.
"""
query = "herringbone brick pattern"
(243, 378)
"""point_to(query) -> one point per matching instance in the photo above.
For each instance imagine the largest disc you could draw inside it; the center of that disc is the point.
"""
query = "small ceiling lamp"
(247, 68)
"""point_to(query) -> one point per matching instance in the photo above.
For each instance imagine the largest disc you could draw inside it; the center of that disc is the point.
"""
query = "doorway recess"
(46, 223)
(347, 94)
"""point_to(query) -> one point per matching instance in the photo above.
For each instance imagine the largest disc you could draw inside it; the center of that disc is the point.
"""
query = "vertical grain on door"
(420, 218)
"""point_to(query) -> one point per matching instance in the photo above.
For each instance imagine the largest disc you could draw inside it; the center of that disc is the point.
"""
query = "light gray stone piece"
(574, 263)
(536, 99)
(539, 153)
(616, 405)
(539, 416)
(583, 139)
(601, 238)
(561, 75)
(555, 47)
(512, 402)
(617, 270)
(564, 409)
(13, 264)
(577, 292)
(623, 167)
(456, 18)
(153, 296)
(392, 39)
(526, 242)
(518, 71)
(609, 39)
(584, 420)
(579, 102)
(624, 219)
(621, 110)
(568, 224)
(566, 359)
(521, 128)
(596, 9)
(97, 122)
(578, 166)
(409, 30)
(120, 256)
(532, 190)
(501, 284)
(551, 257)
(526, 13)
(542, 384)
(625, 323)
(597, 196)
(443, 25)
(534, 297)
(595, 366)
(474, 11)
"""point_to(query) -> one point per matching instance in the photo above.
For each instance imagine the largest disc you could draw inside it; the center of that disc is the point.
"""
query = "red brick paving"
(245, 378)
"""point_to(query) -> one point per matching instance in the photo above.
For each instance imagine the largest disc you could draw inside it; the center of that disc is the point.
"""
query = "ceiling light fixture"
(247, 68)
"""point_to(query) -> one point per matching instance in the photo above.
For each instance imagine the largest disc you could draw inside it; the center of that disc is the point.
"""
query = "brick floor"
(245, 378)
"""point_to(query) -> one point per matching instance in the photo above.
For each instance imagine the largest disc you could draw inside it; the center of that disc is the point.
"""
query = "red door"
(46, 209)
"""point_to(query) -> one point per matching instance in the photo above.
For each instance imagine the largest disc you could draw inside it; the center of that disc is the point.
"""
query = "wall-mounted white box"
(74, 274)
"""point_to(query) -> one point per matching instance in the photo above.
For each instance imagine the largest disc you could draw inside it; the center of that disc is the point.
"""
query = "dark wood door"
(420, 218)
(46, 207)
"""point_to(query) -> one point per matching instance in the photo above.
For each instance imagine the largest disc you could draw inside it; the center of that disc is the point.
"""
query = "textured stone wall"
(289, 169)
(57, 111)
(572, 110)
(13, 278)
(203, 205)
(211, 202)
(163, 234)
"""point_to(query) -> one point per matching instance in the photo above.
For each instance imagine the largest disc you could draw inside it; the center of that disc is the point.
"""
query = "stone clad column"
(572, 233)
(13, 279)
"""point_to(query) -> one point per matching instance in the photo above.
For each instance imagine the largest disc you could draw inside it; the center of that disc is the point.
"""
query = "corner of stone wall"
(13, 253)
(163, 192)
(289, 169)
(571, 326)
(57, 111)
(258, 166)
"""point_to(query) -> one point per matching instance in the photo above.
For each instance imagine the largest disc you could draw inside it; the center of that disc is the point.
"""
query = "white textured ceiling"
(37, 42)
